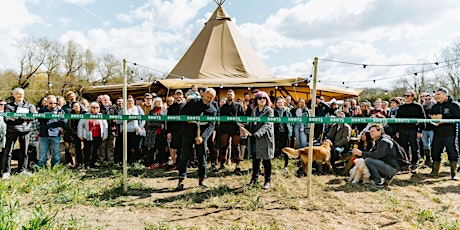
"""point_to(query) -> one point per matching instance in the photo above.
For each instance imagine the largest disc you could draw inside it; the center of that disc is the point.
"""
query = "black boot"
(180, 186)
(427, 153)
(453, 170)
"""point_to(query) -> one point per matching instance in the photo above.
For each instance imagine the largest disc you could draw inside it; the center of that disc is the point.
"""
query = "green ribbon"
(315, 120)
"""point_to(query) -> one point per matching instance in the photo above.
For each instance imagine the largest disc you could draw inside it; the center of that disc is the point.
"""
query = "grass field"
(61, 198)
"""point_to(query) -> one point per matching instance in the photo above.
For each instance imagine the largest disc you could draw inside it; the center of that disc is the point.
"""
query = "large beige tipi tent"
(220, 57)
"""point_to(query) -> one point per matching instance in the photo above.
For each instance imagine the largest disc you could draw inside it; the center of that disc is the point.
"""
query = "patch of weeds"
(255, 203)
(41, 219)
(428, 215)
(9, 214)
(162, 225)
(436, 199)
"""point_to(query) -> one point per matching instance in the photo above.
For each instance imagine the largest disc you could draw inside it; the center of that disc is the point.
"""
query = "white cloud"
(14, 18)
(168, 15)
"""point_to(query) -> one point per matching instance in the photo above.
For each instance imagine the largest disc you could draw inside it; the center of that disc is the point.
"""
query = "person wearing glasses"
(445, 134)
(92, 133)
(408, 134)
(174, 128)
(191, 136)
(427, 133)
(106, 151)
(17, 128)
(50, 131)
(262, 139)
(134, 129)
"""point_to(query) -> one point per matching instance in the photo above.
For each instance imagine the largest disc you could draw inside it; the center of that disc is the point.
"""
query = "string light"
(276, 87)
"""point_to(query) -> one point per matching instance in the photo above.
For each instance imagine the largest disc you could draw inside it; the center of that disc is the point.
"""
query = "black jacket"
(233, 110)
(18, 125)
(449, 110)
(383, 150)
(51, 127)
(412, 110)
(196, 107)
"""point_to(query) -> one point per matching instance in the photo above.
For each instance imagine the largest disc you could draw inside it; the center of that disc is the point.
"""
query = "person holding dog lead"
(381, 159)
(197, 133)
(340, 135)
(263, 138)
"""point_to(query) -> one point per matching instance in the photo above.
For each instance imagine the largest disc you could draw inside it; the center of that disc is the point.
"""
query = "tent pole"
(312, 130)
(125, 131)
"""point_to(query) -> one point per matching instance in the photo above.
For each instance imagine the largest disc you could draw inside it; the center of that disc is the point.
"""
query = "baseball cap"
(178, 91)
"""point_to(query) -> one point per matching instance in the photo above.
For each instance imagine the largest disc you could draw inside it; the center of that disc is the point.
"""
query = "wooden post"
(125, 132)
(312, 129)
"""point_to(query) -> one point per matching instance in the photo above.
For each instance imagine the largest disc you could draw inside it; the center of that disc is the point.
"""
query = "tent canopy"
(221, 58)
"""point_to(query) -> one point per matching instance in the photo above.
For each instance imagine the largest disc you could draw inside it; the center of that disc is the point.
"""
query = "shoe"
(180, 187)
(87, 167)
(285, 168)
(162, 166)
(202, 184)
(222, 166)
(5, 176)
(266, 186)
(237, 171)
(253, 182)
(388, 180)
(25, 173)
(413, 169)
(213, 168)
(377, 184)
(152, 166)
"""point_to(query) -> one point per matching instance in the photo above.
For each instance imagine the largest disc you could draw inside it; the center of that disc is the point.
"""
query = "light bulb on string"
(220, 86)
(276, 87)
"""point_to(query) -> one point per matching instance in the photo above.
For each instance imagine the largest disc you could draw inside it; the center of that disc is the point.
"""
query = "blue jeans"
(378, 168)
(44, 143)
(427, 138)
(300, 136)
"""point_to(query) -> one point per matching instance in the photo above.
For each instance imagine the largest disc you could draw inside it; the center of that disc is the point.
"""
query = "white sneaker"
(6, 176)
(25, 173)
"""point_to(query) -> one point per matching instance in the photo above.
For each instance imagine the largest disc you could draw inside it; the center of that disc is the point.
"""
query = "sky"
(286, 34)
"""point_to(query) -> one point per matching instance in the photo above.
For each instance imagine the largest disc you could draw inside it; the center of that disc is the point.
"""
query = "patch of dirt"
(229, 202)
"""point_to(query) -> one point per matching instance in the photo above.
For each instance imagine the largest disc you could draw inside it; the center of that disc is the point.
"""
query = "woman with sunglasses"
(92, 133)
(155, 138)
(263, 138)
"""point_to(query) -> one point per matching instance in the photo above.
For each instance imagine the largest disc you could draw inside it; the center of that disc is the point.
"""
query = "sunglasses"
(427, 99)
(2, 104)
(52, 103)
(407, 95)
(94, 107)
(261, 98)
(148, 98)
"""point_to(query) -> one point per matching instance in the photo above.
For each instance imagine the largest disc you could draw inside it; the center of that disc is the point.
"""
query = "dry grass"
(72, 199)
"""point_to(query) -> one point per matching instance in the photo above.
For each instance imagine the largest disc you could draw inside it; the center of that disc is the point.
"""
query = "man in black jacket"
(445, 134)
(408, 133)
(230, 130)
(50, 131)
(17, 128)
(196, 107)
(381, 159)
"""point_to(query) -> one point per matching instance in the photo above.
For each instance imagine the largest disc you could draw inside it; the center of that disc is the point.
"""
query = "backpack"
(401, 155)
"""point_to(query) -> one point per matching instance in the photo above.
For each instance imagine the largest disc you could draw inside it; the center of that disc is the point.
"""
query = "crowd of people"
(178, 145)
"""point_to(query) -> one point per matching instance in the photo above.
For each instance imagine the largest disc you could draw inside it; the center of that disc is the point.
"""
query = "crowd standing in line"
(171, 145)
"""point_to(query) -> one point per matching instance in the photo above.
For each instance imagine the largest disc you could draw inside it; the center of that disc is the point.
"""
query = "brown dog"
(321, 155)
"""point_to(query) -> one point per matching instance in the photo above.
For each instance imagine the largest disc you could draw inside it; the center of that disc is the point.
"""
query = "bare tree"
(52, 62)
(73, 62)
(31, 60)
(108, 68)
(451, 56)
